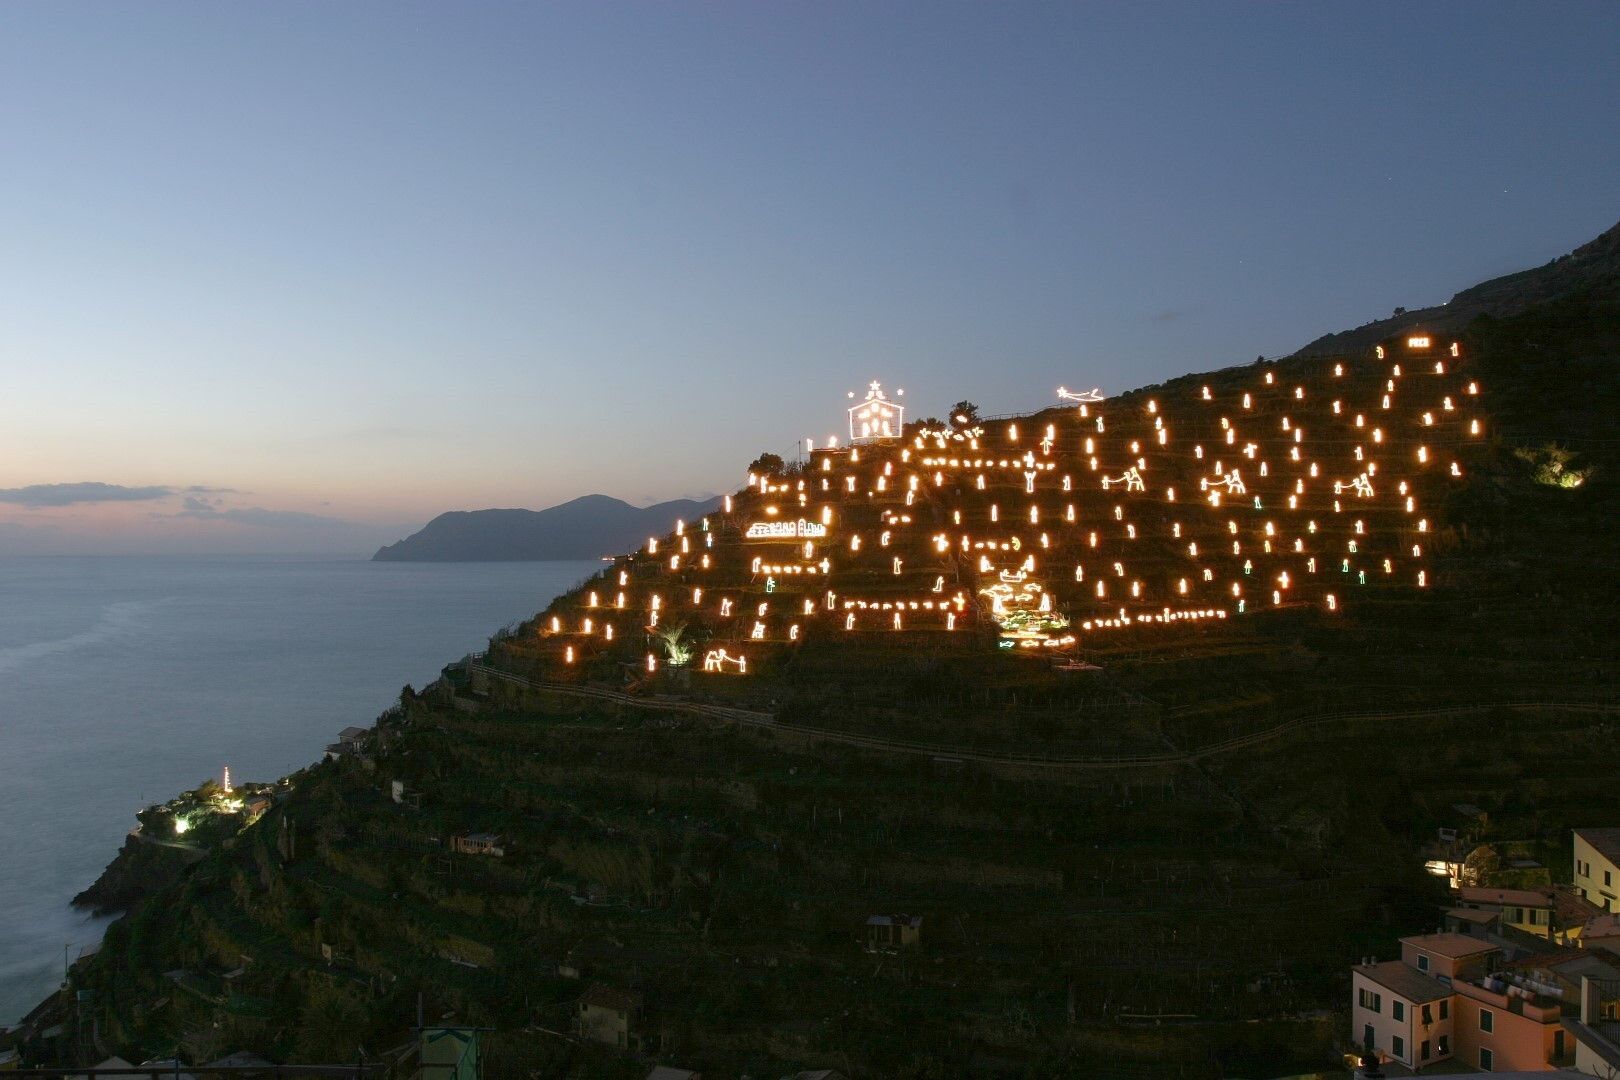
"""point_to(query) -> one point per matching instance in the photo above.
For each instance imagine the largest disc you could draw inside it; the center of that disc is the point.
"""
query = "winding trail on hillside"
(768, 722)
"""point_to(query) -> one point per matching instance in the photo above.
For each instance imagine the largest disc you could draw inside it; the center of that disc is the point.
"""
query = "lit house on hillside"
(1597, 866)
(876, 417)
(1453, 996)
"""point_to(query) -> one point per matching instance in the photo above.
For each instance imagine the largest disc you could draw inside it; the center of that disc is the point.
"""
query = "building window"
(1487, 1020)
(1608, 877)
(1444, 1045)
(1366, 1037)
(1424, 1050)
(1397, 1048)
(1397, 1010)
(1445, 1009)
(1423, 962)
(1487, 1060)
(1428, 1014)
(1370, 1001)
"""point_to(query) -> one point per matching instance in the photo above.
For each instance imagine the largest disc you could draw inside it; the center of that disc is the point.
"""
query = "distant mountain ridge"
(1589, 264)
(588, 527)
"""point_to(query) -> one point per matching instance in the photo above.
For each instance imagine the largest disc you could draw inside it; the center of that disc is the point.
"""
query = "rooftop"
(1480, 894)
(1452, 946)
(1474, 915)
(1605, 841)
(611, 997)
(1404, 980)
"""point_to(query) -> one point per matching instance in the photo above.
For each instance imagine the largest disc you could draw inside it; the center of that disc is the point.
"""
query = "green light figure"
(1363, 576)
(770, 584)
(1248, 566)
(1241, 604)
(1257, 502)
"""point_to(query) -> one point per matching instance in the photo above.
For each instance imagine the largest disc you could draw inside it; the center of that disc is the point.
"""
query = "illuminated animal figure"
(1361, 485)
(1233, 481)
(1131, 479)
(717, 659)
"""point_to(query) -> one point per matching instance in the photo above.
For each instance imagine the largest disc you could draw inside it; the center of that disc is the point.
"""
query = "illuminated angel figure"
(1361, 485)
(1131, 479)
(1094, 394)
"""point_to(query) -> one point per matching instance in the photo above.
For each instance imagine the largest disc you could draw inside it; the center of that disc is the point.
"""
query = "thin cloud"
(203, 510)
(48, 495)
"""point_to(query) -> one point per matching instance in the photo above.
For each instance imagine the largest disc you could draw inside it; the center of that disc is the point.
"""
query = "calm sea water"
(126, 680)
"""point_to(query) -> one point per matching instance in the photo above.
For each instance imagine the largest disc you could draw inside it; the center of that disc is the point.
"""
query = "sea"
(124, 680)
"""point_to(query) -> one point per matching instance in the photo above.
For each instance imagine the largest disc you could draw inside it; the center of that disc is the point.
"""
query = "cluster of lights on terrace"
(1090, 518)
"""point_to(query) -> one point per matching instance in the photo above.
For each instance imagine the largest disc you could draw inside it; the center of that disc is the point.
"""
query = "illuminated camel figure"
(1361, 485)
(1092, 395)
(717, 659)
(1233, 481)
(1131, 479)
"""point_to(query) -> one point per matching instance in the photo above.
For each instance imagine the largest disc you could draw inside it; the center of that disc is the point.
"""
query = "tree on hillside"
(964, 413)
(768, 464)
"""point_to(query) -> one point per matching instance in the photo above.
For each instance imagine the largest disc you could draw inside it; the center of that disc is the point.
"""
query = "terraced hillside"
(1105, 812)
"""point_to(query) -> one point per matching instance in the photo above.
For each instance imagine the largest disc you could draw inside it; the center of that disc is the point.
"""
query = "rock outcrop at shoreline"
(140, 868)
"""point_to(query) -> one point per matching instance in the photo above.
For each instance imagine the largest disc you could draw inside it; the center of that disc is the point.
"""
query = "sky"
(300, 276)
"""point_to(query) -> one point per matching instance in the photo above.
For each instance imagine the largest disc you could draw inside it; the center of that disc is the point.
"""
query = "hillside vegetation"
(726, 870)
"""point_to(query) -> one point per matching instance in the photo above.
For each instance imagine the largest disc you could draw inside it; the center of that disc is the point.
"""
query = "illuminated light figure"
(618, 601)
(717, 659)
(950, 620)
(897, 620)
(591, 600)
(1310, 565)
(883, 538)
(1361, 577)
(1423, 579)
(1389, 567)
(1198, 452)
(1093, 395)
(897, 565)
(585, 627)
(652, 663)
(1338, 369)
(759, 631)
(855, 542)
(1029, 483)
(1207, 395)
(1423, 455)
(607, 631)
(1181, 586)
(1299, 393)
(1428, 419)
(1456, 470)
(1102, 589)
(1068, 513)
(1068, 483)
(849, 621)
(556, 625)
(1473, 388)
(652, 545)
(725, 607)
(1170, 494)
(1276, 598)
(568, 654)
(875, 417)
(1247, 403)
(1131, 478)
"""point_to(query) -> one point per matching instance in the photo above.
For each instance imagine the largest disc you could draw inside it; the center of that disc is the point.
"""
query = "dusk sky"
(297, 277)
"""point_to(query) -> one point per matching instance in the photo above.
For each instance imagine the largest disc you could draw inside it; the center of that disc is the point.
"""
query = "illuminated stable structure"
(876, 417)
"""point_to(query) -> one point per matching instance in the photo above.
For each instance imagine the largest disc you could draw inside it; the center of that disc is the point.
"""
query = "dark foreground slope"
(588, 527)
(725, 872)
